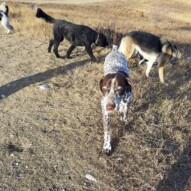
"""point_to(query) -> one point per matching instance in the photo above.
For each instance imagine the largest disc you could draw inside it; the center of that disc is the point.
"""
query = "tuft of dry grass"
(50, 139)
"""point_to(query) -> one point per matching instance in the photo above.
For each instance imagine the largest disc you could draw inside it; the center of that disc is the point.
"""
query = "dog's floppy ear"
(101, 84)
(129, 86)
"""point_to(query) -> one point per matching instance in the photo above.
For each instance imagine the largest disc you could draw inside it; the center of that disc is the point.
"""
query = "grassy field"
(52, 138)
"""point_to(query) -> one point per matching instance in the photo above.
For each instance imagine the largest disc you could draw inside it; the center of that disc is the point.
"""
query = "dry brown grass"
(51, 138)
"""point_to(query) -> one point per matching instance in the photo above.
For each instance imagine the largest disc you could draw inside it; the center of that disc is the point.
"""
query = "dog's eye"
(119, 89)
(105, 89)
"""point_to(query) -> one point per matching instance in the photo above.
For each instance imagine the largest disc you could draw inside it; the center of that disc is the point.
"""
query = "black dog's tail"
(41, 14)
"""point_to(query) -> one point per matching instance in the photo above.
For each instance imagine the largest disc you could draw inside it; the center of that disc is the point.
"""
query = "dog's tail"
(41, 14)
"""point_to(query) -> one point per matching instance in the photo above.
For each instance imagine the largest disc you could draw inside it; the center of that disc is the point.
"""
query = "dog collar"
(97, 40)
(124, 73)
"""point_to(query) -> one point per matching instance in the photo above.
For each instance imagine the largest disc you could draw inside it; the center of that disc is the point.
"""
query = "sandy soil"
(50, 139)
(38, 124)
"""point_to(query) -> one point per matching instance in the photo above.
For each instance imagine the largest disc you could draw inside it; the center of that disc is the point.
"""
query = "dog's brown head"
(114, 88)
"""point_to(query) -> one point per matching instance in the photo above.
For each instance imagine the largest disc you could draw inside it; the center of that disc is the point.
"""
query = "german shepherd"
(152, 48)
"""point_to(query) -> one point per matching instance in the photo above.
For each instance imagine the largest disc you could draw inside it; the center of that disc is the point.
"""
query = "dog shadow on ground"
(117, 134)
(177, 178)
(19, 84)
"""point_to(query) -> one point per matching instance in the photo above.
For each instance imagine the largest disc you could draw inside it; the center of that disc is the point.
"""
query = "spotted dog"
(152, 48)
(4, 18)
(116, 92)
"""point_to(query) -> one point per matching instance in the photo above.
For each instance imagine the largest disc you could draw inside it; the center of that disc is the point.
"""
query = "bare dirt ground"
(50, 139)
(54, 115)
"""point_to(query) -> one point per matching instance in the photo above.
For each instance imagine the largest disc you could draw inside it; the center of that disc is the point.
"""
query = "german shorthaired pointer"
(116, 91)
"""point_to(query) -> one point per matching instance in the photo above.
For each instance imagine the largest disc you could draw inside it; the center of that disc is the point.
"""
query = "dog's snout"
(174, 61)
(110, 106)
(106, 43)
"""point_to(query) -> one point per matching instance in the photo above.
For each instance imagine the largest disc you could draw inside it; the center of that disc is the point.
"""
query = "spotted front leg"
(107, 130)
(123, 106)
(123, 111)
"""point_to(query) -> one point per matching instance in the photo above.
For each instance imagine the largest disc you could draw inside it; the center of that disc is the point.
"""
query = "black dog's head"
(101, 40)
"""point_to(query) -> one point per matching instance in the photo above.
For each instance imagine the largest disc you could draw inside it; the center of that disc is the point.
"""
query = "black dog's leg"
(89, 51)
(56, 44)
(70, 51)
(51, 42)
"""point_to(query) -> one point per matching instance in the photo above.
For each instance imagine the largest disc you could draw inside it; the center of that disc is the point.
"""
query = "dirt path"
(42, 129)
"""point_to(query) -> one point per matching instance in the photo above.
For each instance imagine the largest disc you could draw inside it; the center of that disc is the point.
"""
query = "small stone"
(1, 163)
(119, 159)
(44, 86)
(90, 177)
(12, 136)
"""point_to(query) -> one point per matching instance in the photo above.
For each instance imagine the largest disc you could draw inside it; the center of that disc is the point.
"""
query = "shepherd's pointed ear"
(101, 83)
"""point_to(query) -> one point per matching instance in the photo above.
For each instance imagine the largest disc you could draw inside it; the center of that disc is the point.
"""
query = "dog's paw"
(58, 56)
(166, 84)
(123, 117)
(107, 150)
(94, 60)
(147, 75)
(69, 57)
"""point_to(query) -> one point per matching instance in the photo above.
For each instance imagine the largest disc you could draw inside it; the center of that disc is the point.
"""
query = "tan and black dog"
(152, 48)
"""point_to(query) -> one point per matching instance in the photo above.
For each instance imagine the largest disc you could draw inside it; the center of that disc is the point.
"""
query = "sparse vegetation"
(50, 139)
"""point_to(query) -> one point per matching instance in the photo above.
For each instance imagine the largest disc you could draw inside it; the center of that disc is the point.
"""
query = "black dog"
(77, 35)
